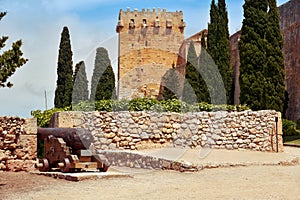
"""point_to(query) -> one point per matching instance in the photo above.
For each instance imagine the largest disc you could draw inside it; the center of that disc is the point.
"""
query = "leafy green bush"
(298, 124)
(147, 104)
(142, 104)
(43, 117)
(288, 128)
(83, 106)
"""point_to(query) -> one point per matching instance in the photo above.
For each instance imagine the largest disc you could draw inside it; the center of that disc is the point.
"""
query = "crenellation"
(147, 40)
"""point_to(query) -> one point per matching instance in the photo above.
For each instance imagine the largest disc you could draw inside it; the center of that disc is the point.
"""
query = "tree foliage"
(139, 104)
(262, 67)
(103, 79)
(10, 60)
(64, 83)
(191, 82)
(218, 44)
(170, 85)
(274, 73)
(80, 88)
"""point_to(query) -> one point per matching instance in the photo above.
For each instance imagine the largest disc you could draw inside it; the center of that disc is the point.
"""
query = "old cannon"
(67, 149)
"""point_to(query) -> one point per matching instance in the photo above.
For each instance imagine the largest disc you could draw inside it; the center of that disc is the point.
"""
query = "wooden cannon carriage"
(67, 149)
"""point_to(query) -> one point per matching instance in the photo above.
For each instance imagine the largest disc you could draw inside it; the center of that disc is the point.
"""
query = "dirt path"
(257, 182)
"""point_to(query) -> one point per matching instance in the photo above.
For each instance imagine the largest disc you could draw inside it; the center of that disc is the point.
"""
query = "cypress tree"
(203, 41)
(80, 88)
(219, 45)
(103, 79)
(213, 29)
(206, 76)
(191, 83)
(253, 55)
(170, 85)
(64, 83)
(10, 60)
(274, 71)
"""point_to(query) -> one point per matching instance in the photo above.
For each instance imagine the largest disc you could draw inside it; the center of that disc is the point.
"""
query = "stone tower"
(149, 42)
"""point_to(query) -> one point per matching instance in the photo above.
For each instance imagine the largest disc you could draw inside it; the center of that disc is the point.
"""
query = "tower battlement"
(135, 19)
(149, 41)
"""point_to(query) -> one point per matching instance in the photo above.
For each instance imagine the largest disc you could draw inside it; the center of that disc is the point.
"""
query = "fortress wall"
(18, 144)
(145, 130)
(149, 42)
(290, 27)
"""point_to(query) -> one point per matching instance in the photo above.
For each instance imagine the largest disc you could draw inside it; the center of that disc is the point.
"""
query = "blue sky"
(91, 24)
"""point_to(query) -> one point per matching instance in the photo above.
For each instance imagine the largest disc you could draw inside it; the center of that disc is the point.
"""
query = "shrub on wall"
(298, 124)
(43, 117)
(288, 128)
(139, 104)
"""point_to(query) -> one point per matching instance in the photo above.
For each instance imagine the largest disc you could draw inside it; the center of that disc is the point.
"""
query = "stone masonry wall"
(290, 27)
(144, 130)
(17, 144)
(149, 41)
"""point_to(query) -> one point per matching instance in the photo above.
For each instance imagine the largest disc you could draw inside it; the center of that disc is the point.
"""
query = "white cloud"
(40, 29)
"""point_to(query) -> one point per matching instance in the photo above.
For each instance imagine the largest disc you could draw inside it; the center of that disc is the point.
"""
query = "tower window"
(144, 23)
(156, 22)
(131, 24)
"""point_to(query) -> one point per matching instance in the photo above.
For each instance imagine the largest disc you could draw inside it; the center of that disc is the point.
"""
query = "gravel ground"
(256, 182)
(252, 182)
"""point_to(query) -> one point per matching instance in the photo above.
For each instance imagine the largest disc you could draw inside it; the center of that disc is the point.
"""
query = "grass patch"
(294, 139)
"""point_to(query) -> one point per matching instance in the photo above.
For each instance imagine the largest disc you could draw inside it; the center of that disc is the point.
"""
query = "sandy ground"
(252, 182)
(258, 182)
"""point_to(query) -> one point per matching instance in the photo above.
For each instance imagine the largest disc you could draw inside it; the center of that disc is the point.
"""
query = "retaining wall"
(144, 130)
(17, 144)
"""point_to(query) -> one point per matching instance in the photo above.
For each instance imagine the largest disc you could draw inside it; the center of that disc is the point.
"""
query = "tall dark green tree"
(170, 85)
(206, 76)
(190, 87)
(80, 88)
(103, 79)
(64, 83)
(218, 44)
(262, 68)
(10, 60)
(203, 41)
(274, 71)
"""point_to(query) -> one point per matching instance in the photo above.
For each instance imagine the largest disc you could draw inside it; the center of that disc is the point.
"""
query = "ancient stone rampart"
(149, 42)
(145, 130)
(290, 28)
(17, 144)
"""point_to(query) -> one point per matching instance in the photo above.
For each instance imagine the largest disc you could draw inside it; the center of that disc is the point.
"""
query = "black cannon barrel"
(76, 138)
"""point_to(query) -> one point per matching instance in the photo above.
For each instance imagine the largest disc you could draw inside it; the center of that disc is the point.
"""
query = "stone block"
(20, 165)
(27, 147)
(30, 126)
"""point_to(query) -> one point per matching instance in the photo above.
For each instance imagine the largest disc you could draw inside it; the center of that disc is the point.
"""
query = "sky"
(92, 24)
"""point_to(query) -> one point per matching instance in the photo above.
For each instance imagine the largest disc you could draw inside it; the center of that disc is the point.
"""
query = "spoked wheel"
(43, 165)
(65, 165)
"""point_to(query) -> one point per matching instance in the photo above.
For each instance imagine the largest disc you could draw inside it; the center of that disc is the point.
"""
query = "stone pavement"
(80, 176)
(211, 158)
(180, 159)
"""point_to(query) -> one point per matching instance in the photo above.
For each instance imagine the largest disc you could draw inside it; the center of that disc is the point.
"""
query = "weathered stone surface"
(290, 26)
(235, 130)
(17, 143)
(155, 48)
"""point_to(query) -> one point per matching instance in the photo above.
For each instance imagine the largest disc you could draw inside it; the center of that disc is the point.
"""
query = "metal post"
(276, 120)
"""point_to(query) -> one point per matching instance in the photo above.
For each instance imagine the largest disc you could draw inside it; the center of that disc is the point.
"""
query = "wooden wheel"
(65, 165)
(43, 165)
(104, 168)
